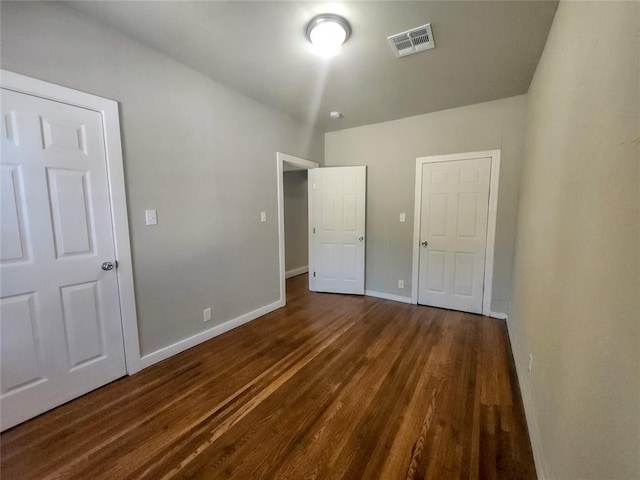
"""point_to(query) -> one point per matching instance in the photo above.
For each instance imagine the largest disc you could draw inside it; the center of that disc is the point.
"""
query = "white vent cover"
(412, 41)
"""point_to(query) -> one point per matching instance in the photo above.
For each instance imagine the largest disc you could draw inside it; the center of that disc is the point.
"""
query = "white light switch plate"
(151, 217)
(263, 217)
(403, 217)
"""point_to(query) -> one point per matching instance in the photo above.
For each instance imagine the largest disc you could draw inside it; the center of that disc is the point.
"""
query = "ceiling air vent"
(412, 41)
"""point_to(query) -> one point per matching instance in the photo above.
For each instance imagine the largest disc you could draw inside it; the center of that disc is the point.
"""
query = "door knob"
(361, 238)
(424, 243)
(106, 266)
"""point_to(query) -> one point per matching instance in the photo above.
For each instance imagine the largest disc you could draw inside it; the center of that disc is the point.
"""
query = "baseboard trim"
(387, 296)
(294, 272)
(498, 315)
(198, 338)
(525, 392)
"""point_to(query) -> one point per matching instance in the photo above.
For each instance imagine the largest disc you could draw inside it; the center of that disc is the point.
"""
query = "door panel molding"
(108, 110)
(491, 221)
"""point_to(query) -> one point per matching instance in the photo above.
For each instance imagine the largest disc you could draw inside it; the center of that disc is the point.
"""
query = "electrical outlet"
(263, 217)
(530, 363)
(400, 283)
(403, 217)
(206, 315)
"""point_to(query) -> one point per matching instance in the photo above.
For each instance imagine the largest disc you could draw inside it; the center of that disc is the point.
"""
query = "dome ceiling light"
(327, 32)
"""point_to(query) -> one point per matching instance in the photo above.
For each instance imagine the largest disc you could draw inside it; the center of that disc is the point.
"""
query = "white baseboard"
(525, 391)
(296, 271)
(198, 338)
(387, 296)
(498, 315)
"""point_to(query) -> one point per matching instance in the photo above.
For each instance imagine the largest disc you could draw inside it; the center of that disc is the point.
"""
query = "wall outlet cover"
(151, 217)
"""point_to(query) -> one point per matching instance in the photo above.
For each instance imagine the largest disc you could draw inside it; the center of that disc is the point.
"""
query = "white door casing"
(456, 204)
(60, 313)
(337, 215)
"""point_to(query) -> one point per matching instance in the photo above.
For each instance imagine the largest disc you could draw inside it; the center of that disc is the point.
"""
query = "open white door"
(337, 201)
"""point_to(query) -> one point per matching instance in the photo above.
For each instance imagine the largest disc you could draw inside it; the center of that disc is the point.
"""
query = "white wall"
(296, 219)
(576, 300)
(390, 150)
(200, 153)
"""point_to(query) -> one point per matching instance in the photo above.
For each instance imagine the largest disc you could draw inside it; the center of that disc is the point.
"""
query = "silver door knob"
(106, 266)
(424, 243)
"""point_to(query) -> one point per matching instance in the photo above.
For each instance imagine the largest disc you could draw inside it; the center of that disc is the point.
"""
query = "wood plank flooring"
(330, 387)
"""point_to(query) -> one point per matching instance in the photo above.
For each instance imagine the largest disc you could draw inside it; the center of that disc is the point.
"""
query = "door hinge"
(314, 229)
(314, 274)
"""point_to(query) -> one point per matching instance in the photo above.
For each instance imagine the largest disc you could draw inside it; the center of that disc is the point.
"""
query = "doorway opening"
(293, 217)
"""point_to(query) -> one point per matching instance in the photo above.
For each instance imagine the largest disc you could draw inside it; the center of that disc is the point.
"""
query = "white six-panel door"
(59, 311)
(337, 220)
(453, 233)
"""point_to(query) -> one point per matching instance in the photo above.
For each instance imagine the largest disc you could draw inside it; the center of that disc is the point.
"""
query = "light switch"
(151, 216)
(263, 217)
(403, 217)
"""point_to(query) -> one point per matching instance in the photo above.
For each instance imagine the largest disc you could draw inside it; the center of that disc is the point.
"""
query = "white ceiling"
(484, 51)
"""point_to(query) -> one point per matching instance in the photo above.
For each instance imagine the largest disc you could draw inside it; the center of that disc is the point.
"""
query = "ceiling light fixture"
(327, 32)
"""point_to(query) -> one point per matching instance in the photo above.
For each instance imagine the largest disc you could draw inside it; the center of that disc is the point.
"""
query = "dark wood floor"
(330, 387)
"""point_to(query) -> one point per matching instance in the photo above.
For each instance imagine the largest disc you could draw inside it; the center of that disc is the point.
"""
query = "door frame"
(491, 220)
(108, 109)
(281, 158)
